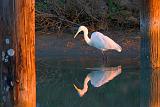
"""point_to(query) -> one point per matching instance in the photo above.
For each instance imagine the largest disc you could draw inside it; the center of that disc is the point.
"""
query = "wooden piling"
(150, 53)
(17, 21)
(150, 28)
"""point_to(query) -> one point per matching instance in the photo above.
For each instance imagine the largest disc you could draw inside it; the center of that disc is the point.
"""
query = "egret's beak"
(76, 88)
(77, 33)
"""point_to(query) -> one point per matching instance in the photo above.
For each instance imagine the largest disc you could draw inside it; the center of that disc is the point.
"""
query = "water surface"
(55, 79)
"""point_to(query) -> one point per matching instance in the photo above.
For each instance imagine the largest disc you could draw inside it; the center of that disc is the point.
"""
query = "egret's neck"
(85, 87)
(87, 39)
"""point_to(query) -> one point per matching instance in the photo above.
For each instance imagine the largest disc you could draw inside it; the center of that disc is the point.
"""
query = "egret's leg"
(103, 55)
(105, 58)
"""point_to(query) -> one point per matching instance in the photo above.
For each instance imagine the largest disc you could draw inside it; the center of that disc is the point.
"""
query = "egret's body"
(99, 41)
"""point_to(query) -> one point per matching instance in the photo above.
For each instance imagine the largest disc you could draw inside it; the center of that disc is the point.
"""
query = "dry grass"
(59, 15)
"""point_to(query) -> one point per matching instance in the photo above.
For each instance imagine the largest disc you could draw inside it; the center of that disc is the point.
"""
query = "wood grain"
(150, 28)
(154, 32)
(17, 19)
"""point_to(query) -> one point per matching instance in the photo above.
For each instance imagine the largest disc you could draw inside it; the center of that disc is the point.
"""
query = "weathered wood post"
(150, 27)
(17, 32)
(150, 53)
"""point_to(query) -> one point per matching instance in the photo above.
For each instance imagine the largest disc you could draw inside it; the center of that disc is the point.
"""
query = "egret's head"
(81, 28)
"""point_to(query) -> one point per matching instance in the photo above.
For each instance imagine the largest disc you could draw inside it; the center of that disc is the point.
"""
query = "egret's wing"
(97, 40)
(99, 78)
(101, 41)
(111, 44)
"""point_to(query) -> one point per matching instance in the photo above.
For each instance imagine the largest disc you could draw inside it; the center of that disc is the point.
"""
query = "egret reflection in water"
(98, 77)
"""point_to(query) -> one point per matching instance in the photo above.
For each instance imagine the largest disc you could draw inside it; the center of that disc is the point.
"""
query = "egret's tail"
(118, 48)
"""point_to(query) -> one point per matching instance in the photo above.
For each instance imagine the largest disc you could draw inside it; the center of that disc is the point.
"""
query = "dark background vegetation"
(64, 15)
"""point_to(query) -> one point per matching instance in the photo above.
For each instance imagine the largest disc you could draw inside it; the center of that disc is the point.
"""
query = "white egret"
(98, 77)
(99, 41)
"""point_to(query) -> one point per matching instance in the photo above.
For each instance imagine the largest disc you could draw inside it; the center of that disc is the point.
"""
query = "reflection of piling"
(155, 88)
(17, 48)
(150, 85)
(145, 86)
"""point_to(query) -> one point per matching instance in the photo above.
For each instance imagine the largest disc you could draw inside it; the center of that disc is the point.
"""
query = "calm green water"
(55, 79)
